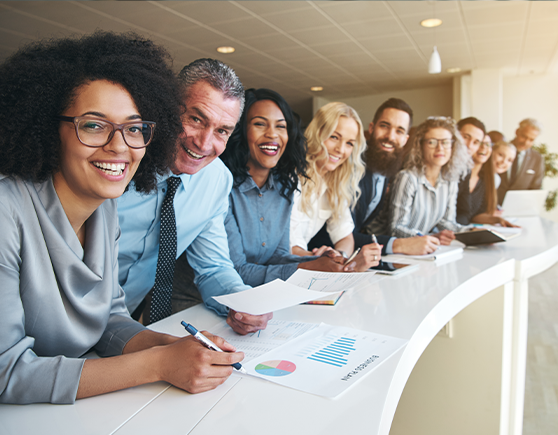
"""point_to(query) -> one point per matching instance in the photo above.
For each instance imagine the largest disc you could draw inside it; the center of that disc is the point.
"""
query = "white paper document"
(277, 333)
(328, 281)
(508, 232)
(326, 360)
(439, 254)
(267, 298)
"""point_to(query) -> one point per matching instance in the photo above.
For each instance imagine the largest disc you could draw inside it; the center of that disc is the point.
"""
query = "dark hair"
(472, 121)
(394, 103)
(39, 82)
(491, 196)
(219, 75)
(293, 161)
(496, 136)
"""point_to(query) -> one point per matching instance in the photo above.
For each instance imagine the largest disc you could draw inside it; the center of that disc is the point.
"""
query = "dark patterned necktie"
(513, 174)
(162, 290)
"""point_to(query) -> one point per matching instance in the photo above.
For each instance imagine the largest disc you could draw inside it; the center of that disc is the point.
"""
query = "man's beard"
(382, 162)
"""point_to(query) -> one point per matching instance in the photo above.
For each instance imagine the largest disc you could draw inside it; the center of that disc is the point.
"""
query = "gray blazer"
(58, 299)
(529, 175)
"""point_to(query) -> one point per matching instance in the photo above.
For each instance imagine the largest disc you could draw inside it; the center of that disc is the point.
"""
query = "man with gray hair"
(527, 171)
(187, 211)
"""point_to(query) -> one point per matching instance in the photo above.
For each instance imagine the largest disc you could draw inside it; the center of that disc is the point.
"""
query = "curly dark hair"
(293, 161)
(39, 82)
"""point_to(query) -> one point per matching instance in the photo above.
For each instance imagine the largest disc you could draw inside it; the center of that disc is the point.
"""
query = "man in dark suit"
(527, 171)
(389, 132)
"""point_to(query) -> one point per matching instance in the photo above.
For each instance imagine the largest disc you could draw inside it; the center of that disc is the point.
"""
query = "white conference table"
(463, 370)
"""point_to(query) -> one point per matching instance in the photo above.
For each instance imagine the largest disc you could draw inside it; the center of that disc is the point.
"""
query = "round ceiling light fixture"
(431, 22)
(316, 88)
(225, 49)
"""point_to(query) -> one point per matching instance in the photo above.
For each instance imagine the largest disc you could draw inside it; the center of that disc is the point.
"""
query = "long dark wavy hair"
(293, 161)
(40, 81)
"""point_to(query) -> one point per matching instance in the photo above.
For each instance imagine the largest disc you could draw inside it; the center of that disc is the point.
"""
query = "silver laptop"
(524, 202)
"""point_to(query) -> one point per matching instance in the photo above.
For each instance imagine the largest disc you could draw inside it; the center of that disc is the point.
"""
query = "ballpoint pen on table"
(207, 342)
(352, 257)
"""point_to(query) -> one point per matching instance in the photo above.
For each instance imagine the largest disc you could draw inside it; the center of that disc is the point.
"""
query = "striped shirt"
(416, 207)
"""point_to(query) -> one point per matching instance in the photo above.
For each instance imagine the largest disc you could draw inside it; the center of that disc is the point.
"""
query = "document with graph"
(255, 344)
(326, 360)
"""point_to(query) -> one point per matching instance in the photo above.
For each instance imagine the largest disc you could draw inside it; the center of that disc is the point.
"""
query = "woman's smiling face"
(436, 156)
(503, 158)
(483, 153)
(96, 174)
(266, 132)
(340, 144)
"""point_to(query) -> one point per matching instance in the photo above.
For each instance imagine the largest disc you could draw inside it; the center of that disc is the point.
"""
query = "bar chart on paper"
(326, 360)
(333, 350)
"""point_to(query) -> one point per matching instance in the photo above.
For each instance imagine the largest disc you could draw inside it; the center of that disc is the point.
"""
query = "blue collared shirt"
(258, 230)
(201, 205)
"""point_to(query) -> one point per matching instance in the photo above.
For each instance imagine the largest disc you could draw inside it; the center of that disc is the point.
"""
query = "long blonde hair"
(342, 183)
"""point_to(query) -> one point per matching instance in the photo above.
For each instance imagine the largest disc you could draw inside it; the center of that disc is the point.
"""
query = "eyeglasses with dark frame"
(433, 143)
(96, 132)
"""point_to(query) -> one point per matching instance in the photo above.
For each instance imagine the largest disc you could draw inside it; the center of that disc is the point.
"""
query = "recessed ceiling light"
(453, 70)
(431, 22)
(317, 88)
(225, 50)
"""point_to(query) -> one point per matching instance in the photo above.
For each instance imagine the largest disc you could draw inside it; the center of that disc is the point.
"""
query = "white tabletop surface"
(413, 306)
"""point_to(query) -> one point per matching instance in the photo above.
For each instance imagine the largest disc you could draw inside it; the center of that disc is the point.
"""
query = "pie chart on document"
(275, 368)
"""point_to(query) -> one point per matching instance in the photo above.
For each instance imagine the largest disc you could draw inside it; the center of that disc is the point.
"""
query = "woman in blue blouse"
(266, 154)
(78, 117)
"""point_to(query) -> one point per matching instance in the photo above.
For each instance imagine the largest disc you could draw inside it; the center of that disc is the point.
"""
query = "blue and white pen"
(208, 343)
(374, 239)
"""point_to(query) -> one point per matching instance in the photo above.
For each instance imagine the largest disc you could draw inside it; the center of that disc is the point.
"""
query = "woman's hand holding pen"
(189, 365)
(445, 237)
(369, 256)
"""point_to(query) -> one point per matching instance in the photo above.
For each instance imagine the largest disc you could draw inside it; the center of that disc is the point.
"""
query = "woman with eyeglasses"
(423, 195)
(81, 118)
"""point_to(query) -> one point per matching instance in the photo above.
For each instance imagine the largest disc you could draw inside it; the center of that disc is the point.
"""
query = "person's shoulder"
(216, 167)
(12, 189)
(534, 154)
(15, 196)
(212, 184)
(407, 175)
(110, 208)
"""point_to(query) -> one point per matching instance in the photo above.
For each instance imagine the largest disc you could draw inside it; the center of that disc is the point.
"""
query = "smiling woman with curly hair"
(78, 116)
(423, 195)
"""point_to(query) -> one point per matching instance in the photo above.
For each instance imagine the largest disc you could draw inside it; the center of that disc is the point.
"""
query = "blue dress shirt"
(258, 230)
(201, 205)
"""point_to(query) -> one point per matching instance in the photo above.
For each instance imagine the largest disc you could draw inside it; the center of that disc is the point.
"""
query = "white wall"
(533, 96)
(435, 101)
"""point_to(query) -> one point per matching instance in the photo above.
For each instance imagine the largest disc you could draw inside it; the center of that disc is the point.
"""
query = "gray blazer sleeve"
(46, 324)
(25, 377)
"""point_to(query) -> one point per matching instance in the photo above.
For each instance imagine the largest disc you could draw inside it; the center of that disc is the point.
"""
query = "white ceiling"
(350, 48)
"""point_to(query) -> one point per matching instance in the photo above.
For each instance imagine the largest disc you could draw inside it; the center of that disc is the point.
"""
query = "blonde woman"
(423, 195)
(503, 155)
(336, 144)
